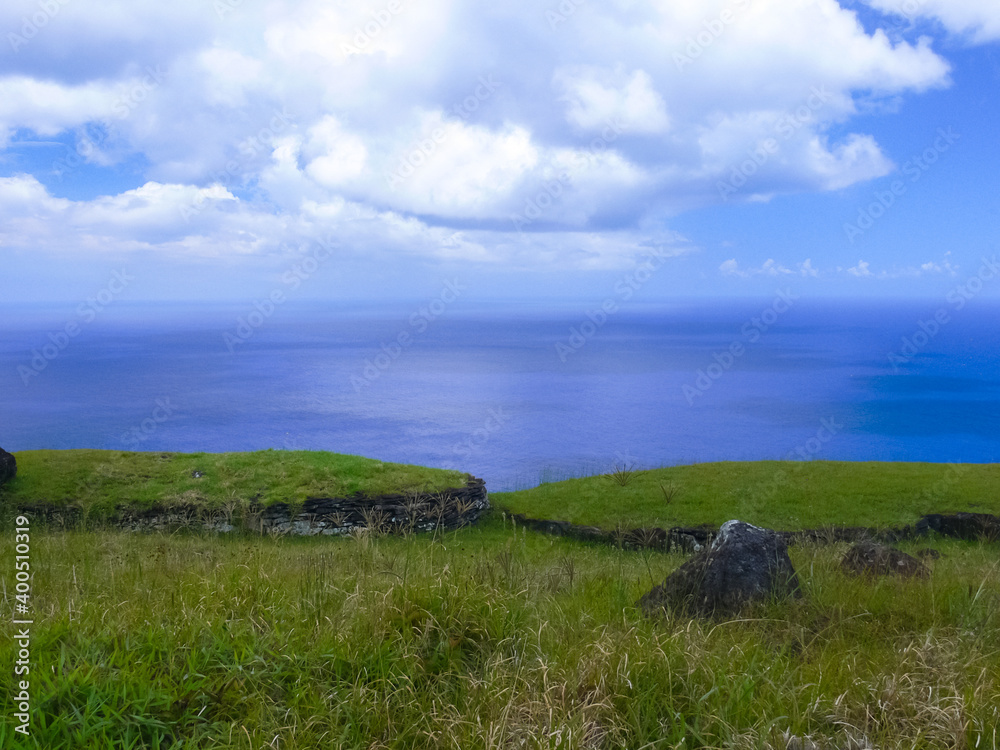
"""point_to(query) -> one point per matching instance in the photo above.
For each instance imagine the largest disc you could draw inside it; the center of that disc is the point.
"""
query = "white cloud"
(422, 116)
(49, 108)
(229, 76)
(861, 270)
(596, 98)
(340, 156)
(806, 268)
(979, 19)
(770, 267)
(185, 221)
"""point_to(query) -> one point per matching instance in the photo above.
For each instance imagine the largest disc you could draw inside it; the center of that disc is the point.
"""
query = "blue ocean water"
(516, 394)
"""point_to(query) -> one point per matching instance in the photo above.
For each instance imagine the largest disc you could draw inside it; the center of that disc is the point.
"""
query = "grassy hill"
(100, 480)
(785, 495)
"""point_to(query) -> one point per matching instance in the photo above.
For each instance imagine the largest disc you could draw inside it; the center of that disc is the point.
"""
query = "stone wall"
(395, 513)
(970, 526)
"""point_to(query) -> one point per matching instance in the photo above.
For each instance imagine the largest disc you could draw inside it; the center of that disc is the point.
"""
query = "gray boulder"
(8, 466)
(743, 564)
(874, 559)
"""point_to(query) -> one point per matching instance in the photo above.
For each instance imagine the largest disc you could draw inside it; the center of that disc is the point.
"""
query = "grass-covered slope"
(785, 495)
(101, 480)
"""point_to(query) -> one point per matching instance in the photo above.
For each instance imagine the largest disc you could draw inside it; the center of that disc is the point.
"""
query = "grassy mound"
(100, 480)
(786, 495)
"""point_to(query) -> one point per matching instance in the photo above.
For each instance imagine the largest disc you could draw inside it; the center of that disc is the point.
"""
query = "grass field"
(786, 495)
(487, 638)
(495, 637)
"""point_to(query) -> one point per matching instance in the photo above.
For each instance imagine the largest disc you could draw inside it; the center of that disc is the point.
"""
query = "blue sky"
(540, 151)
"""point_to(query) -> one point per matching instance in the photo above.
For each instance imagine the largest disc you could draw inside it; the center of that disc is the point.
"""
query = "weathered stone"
(448, 509)
(8, 466)
(743, 564)
(874, 559)
(970, 526)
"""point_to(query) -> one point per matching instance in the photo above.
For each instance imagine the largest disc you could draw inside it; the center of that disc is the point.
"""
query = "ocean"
(517, 393)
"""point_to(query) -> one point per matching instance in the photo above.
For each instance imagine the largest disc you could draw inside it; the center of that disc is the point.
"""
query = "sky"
(537, 151)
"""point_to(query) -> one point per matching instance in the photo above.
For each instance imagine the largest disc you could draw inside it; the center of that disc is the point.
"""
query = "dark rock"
(686, 543)
(743, 564)
(970, 526)
(8, 466)
(874, 559)
(645, 538)
(691, 538)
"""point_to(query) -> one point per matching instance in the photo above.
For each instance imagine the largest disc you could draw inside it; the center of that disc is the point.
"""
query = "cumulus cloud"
(977, 19)
(863, 270)
(769, 267)
(596, 98)
(419, 122)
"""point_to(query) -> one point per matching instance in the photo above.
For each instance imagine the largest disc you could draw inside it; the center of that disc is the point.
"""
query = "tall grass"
(487, 638)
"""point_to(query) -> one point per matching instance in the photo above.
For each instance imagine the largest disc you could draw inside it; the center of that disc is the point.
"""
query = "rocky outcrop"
(874, 559)
(742, 565)
(8, 466)
(447, 509)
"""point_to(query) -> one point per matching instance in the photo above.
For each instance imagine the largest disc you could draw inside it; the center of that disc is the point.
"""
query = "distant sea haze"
(515, 394)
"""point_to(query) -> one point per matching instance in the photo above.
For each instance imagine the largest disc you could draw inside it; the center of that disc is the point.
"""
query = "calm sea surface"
(517, 395)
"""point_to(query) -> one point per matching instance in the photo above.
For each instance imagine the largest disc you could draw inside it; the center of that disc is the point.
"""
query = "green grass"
(487, 637)
(785, 495)
(100, 480)
(492, 637)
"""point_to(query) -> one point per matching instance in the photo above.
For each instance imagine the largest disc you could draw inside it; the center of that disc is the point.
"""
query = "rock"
(743, 564)
(970, 526)
(8, 466)
(874, 559)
